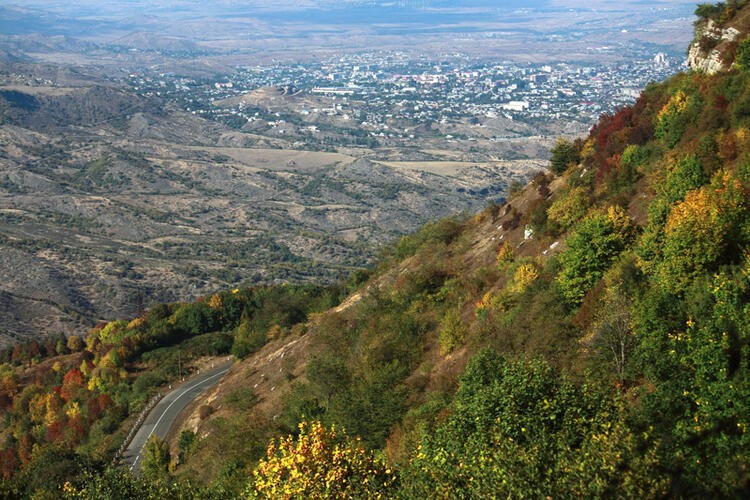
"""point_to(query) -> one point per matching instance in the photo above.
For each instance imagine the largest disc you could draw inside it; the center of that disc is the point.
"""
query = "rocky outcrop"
(711, 42)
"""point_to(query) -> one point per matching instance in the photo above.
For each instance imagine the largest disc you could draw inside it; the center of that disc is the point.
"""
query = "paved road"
(161, 418)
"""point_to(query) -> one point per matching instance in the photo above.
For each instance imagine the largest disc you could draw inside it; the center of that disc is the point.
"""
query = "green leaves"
(156, 459)
(564, 154)
(591, 249)
(519, 429)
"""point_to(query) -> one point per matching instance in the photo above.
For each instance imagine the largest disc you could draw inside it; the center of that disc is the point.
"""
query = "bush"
(451, 333)
(320, 463)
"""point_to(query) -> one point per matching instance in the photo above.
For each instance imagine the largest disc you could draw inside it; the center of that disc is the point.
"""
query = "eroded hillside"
(110, 203)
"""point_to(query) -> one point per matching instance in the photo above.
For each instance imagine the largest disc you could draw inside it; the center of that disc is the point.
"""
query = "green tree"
(519, 429)
(743, 54)
(709, 10)
(186, 444)
(591, 249)
(564, 154)
(700, 399)
(156, 459)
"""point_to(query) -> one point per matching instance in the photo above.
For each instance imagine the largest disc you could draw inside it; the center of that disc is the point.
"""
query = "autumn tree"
(75, 343)
(320, 463)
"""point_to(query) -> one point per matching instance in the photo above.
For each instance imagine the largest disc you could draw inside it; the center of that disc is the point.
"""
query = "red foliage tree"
(55, 432)
(76, 430)
(72, 383)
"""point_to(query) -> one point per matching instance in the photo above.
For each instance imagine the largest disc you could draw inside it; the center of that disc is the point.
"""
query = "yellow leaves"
(73, 410)
(482, 305)
(569, 208)
(697, 207)
(136, 323)
(524, 276)
(95, 384)
(505, 255)
(215, 301)
(677, 104)
(321, 463)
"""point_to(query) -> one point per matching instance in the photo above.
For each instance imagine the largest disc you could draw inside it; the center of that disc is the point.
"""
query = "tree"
(75, 343)
(613, 329)
(704, 231)
(709, 10)
(247, 339)
(186, 444)
(156, 459)
(743, 54)
(591, 249)
(685, 175)
(505, 255)
(320, 463)
(564, 154)
(452, 332)
(700, 399)
(570, 208)
(519, 429)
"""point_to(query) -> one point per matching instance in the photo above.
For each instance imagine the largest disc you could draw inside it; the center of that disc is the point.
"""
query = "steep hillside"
(627, 270)
(589, 338)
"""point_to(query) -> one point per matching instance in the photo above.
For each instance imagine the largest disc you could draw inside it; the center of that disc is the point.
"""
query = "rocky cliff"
(717, 36)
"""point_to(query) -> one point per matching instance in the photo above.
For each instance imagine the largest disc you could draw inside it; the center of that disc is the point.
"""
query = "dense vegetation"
(67, 405)
(591, 338)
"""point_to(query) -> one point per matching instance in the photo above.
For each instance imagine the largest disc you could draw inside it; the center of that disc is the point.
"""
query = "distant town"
(371, 92)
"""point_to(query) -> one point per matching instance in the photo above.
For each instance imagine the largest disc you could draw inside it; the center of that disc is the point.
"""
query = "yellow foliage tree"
(320, 463)
(570, 208)
(525, 275)
(215, 301)
(505, 255)
(701, 232)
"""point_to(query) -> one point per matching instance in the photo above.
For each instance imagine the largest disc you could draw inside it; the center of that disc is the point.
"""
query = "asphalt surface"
(162, 417)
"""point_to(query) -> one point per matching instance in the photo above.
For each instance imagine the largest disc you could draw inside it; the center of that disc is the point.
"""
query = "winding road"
(162, 417)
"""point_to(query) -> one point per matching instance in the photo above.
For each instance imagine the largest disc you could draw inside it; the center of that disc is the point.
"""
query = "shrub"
(320, 463)
(452, 332)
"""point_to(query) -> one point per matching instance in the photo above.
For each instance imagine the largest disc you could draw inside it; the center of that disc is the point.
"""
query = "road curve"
(160, 419)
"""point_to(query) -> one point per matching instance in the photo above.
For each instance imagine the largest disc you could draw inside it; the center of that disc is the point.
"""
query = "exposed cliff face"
(715, 44)
(711, 46)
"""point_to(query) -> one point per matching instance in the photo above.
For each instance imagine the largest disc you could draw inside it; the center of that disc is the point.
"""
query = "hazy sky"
(120, 7)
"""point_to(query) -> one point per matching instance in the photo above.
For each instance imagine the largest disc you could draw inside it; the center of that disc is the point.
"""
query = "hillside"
(111, 202)
(589, 337)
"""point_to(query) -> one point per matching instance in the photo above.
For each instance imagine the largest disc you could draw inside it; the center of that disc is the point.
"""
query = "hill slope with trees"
(589, 338)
